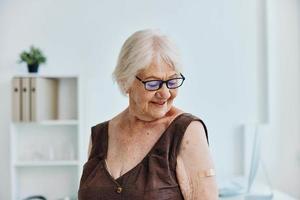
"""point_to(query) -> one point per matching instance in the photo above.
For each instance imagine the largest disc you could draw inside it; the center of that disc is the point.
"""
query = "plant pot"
(33, 68)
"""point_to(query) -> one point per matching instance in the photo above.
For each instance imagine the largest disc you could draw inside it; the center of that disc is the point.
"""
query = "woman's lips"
(159, 103)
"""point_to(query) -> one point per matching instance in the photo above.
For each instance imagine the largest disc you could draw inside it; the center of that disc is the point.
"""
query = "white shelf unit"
(45, 154)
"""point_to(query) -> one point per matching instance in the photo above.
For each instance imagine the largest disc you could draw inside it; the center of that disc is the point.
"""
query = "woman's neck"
(133, 119)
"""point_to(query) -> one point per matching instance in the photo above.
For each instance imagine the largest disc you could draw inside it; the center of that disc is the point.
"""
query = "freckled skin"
(146, 116)
(193, 161)
(143, 118)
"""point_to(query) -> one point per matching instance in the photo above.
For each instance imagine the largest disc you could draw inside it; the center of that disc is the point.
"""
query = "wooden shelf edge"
(49, 122)
(46, 163)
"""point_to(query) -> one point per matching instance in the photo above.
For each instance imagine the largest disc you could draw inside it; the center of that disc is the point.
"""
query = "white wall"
(220, 44)
(282, 149)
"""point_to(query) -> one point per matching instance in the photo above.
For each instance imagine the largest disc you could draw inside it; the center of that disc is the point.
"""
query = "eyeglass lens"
(156, 84)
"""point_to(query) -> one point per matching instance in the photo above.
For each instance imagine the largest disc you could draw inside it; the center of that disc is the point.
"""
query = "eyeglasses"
(153, 85)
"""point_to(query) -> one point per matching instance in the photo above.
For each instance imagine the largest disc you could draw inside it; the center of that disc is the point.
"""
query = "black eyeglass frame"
(162, 82)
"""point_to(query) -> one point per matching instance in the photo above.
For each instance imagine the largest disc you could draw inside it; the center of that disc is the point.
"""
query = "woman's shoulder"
(187, 119)
(191, 116)
(185, 115)
(107, 123)
(193, 123)
(100, 125)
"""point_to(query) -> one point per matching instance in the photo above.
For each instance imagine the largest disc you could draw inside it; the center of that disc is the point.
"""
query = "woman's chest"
(127, 150)
(131, 148)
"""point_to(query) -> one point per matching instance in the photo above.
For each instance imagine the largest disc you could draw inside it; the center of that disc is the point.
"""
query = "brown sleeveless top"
(153, 178)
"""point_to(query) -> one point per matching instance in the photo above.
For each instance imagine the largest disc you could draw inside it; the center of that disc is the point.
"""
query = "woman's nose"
(163, 92)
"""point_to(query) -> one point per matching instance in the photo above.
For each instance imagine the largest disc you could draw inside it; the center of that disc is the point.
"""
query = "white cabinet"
(45, 153)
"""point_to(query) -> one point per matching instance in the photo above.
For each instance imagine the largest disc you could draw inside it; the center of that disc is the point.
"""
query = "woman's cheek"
(173, 95)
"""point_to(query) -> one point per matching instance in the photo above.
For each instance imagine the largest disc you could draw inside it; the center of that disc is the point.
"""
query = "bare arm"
(195, 169)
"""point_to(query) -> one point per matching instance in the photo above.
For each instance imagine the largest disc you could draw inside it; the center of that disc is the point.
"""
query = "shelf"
(50, 122)
(45, 136)
(40, 75)
(54, 183)
(46, 163)
(59, 122)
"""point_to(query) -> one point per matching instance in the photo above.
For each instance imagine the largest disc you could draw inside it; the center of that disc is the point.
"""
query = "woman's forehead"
(158, 70)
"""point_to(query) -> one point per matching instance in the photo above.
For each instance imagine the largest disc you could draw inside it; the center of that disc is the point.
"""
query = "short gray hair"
(139, 51)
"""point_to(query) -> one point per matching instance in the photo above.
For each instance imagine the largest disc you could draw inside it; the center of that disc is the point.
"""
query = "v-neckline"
(144, 158)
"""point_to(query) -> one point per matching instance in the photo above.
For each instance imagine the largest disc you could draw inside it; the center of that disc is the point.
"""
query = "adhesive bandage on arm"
(206, 173)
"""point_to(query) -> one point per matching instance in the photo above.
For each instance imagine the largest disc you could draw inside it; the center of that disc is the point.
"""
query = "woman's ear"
(124, 87)
(127, 90)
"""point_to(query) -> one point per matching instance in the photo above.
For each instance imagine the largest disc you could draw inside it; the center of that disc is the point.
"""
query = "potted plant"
(34, 57)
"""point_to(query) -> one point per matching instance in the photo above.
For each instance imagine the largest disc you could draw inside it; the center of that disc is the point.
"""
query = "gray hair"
(139, 51)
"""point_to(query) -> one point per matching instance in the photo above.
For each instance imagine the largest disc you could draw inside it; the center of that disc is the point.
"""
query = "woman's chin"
(159, 113)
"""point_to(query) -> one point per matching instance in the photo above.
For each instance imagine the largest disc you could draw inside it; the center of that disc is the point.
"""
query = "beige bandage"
(206, 173)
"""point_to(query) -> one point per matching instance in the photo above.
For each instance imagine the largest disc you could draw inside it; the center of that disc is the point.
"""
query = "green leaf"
(33, 56)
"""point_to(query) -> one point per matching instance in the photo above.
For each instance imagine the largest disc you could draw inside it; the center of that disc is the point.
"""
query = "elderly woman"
(151, 150)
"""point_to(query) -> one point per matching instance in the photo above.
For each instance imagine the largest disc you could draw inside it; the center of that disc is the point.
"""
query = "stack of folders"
(34, 99)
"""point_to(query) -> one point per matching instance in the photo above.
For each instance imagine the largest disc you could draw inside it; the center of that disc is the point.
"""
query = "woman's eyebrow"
(157, 78)
(173, 76)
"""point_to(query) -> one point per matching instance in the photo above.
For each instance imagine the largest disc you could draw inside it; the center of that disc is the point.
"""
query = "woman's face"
(151, 105)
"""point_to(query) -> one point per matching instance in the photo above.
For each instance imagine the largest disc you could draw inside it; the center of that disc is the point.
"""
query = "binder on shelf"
(16, 99)
(43, 93)
(25, 96)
